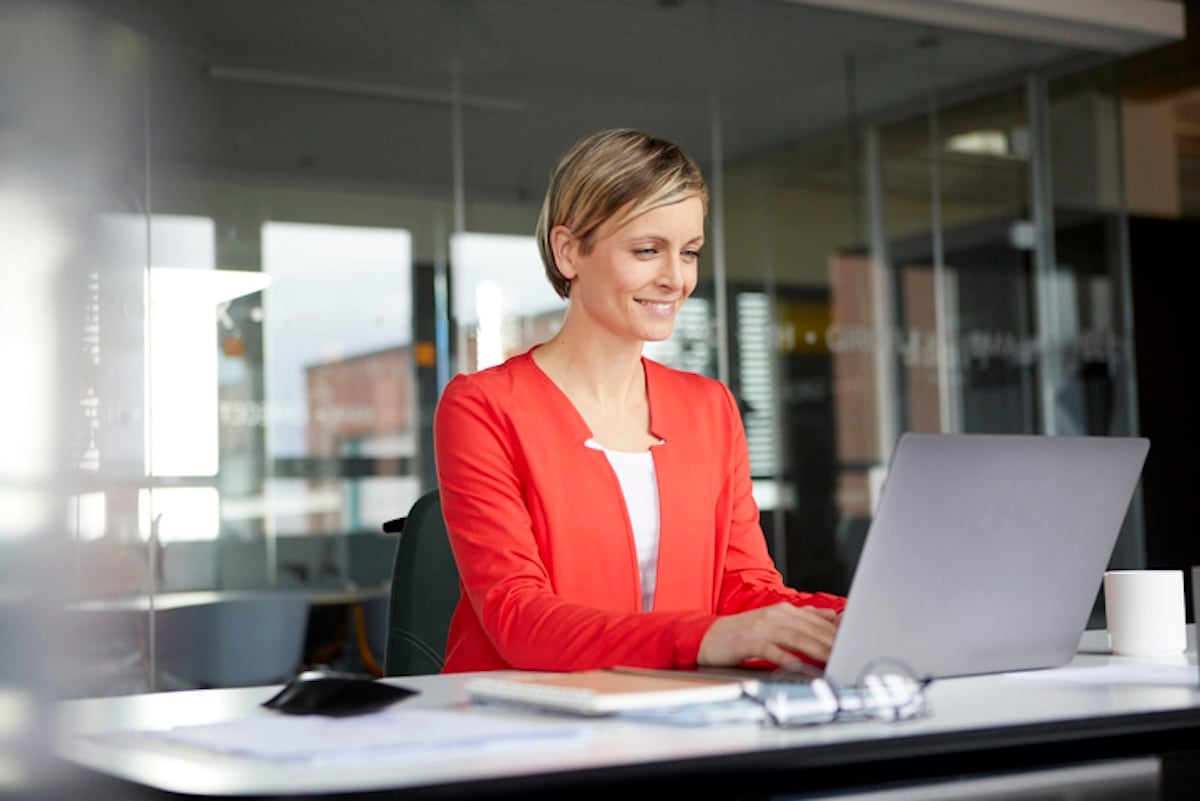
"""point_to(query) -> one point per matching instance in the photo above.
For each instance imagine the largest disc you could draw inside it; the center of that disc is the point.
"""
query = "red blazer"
(543, 542)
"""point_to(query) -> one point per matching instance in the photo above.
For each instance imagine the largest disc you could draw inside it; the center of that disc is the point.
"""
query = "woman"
(598, 503)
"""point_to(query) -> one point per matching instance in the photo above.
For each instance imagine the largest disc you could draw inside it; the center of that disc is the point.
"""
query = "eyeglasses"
(887, 690)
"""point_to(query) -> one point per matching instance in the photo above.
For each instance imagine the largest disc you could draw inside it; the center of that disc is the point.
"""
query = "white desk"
(980, 724)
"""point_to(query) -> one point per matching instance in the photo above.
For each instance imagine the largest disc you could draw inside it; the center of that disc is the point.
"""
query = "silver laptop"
(986, 552)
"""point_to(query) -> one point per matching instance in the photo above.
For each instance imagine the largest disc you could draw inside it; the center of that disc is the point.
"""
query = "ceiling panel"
(781, 71)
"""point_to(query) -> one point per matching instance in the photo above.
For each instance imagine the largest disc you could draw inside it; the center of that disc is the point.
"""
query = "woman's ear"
(566, 250)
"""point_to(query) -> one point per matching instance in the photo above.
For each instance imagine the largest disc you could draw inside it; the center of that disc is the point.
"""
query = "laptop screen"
(986, 552)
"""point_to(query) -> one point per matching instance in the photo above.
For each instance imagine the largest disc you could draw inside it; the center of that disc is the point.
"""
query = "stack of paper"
(395, 732)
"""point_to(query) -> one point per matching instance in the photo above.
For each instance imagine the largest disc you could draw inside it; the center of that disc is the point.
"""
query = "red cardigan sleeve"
(503, 575)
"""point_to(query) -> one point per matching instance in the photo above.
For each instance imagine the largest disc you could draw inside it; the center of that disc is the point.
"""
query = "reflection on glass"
(757, 377)
(86, 514)
(337, 410)
(503, 304)
(182, 436)
(29, 269)
(489, 332)
(178, 514)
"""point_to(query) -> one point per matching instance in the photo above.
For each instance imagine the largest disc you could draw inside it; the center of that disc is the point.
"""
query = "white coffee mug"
(1144, 611)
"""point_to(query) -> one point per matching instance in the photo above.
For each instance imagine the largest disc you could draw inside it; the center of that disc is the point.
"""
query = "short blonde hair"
(604, 173)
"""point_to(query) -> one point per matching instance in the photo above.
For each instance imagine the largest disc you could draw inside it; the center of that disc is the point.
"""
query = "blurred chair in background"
(232, 642)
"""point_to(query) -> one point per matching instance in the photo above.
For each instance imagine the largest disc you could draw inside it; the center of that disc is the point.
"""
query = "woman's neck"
(593, 372)
(603, 377)
(607, 391)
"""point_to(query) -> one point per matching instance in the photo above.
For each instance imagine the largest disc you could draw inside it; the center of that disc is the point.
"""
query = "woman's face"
(637, 275)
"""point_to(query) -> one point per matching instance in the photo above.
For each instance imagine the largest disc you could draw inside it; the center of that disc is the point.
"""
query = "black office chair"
(424, 591)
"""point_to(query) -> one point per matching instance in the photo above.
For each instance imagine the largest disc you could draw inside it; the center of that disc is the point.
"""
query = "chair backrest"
(424, 592)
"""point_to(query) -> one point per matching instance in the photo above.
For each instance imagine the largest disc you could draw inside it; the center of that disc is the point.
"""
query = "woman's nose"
(672, 272)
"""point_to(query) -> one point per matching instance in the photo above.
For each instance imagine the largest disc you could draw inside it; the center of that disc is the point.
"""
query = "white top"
(639, 485)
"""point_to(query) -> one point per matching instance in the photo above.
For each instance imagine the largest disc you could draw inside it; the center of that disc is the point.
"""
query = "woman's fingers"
(775, 633)
(781, 657)
(805, 631)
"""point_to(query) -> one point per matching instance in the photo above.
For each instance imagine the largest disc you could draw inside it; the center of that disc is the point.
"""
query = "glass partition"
(309, 220)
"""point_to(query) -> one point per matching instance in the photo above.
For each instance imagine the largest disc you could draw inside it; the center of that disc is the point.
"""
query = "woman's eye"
(645, 252)
(692, 254)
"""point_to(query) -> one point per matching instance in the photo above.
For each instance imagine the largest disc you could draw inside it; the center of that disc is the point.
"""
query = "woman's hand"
(774, 633)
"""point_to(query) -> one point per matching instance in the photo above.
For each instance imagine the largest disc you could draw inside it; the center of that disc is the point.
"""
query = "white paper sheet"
(388, 734)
